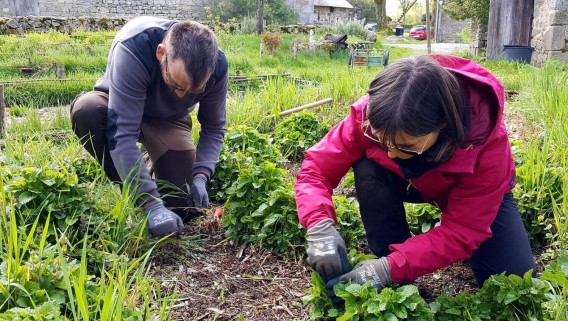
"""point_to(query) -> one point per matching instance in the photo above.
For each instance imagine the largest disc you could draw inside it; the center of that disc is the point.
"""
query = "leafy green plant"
(421, 217)
(38, 192)
(243, 147)
(297, 133)
(350, 225)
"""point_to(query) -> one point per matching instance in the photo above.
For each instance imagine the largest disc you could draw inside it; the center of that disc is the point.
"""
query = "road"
(447, 48)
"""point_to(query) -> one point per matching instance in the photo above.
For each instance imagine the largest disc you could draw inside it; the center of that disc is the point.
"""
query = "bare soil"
(216, 280)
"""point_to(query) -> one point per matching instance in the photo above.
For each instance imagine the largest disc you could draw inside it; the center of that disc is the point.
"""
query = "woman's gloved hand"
(327, 254)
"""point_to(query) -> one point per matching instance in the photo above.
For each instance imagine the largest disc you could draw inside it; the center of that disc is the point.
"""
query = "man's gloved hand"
(326, 250)
(375, 270)
(161, 221)
(198, 191)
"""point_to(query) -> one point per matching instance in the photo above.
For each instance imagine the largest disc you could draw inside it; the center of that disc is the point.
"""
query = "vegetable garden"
(74, 247)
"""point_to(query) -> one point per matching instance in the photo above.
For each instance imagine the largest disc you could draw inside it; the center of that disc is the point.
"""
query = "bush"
(271, 41)
(297, 133)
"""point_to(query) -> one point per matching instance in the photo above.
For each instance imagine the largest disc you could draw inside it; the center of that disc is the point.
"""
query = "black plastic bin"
(399, 31)
(522, 54)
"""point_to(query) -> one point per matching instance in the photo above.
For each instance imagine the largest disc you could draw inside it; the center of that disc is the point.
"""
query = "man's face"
(175, 76)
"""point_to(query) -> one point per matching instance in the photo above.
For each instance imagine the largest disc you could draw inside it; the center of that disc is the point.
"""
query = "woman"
(429, 130)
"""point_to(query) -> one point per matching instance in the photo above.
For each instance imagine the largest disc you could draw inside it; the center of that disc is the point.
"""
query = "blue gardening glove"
(326, 250)
(375, 270)
(198, 191)
(161, 221)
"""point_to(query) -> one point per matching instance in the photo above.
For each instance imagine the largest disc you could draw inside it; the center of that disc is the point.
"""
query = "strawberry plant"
(350, 225)
(243, 147)
(421, 217)
(297, 133)
(46, 311)
(38, 192)
(247, 194)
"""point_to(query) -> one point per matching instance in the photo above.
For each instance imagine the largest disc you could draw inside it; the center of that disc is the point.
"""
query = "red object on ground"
(217, 215)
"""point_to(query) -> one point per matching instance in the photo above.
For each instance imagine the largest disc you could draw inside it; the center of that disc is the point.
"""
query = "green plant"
(243, 146)
(297, 133)
(421, 217)
(350, 225)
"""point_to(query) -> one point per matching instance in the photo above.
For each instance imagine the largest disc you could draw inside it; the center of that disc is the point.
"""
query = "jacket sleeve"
(324, 166)
(472, 205)
(212, 117)
(128, 80)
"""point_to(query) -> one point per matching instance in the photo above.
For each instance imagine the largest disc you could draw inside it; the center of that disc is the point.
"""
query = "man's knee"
(88, 111)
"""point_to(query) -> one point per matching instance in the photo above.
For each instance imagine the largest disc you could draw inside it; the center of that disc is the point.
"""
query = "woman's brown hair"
(418, 96)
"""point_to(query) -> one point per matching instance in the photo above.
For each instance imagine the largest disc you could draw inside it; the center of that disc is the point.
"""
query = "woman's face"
(405, 146)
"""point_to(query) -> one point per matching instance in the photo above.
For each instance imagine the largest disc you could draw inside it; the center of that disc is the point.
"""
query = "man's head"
(188, 56)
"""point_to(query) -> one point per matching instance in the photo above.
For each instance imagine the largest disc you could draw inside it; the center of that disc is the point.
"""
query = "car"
(371, 26)
(419, 32)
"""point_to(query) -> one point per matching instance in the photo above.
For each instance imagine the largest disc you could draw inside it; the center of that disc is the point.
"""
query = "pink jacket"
(468, 188)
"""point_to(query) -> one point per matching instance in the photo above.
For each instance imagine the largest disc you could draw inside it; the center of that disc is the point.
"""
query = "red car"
(419, 32)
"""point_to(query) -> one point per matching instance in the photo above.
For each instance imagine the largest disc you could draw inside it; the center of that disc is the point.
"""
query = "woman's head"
(418, 100)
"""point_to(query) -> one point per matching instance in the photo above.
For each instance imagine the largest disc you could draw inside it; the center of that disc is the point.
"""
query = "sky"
(392, 7)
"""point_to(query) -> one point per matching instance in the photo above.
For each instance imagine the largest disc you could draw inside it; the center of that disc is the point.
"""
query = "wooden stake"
(60, 71)
(310, 105)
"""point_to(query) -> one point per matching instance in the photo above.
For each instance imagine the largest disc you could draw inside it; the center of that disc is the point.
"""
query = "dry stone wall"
(550, 30)
(173, 9)
(21, 25)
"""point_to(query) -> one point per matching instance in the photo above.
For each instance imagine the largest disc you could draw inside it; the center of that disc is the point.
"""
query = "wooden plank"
(510, 23)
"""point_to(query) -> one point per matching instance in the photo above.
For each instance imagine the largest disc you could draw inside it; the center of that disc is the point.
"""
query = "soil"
(216, 280)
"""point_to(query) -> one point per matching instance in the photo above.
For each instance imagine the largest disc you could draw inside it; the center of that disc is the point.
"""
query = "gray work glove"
(326, 250)
(198, 191)
(375, 270)
(161, 221)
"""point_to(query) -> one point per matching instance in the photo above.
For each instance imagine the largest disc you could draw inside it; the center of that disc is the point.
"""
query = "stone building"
(329, 12)
(304, 9)
(549, 36)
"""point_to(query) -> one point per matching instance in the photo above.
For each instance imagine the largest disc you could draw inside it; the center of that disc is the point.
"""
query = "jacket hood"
(484, 97)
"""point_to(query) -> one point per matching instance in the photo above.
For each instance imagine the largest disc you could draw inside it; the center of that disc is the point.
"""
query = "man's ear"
(161, 52)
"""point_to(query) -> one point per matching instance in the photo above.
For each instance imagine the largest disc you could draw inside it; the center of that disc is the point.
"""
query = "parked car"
(419, 32)
(371, 26)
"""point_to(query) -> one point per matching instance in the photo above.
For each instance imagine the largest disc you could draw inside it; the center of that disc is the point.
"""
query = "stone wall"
(550, 30)
(304, 9)
(21, 25)
(330, 16)
(173, 9)
(449, 28)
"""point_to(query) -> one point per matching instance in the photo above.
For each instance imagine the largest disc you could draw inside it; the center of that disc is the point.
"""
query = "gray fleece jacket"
(136, 89)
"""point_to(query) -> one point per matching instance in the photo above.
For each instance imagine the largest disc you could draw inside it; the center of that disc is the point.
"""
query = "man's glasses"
(368, 132)
(168, 81)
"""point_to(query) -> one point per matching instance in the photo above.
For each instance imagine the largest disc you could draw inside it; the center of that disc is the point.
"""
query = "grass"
(119, 286)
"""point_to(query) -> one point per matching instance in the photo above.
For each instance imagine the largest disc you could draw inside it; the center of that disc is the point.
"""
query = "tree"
(259, 16)
(381, 11)
(477, 10)
(405, 6)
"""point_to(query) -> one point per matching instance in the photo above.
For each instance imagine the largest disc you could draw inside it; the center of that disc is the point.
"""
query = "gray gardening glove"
(198, 191)
(326, 250)
(375, 270)
(161, 221)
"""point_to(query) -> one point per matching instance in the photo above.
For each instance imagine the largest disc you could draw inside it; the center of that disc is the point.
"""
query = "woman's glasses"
(368, 133)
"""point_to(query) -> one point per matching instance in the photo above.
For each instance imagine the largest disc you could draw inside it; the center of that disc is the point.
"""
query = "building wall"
(304, 9)
(20, 25)
(550, 30)
(330, 16)
(174, 9)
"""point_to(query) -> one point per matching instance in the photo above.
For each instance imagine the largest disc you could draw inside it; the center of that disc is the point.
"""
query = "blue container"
(399, 31)
(522, 54)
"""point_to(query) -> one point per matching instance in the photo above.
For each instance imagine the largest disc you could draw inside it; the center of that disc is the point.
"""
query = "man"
(157, 71)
